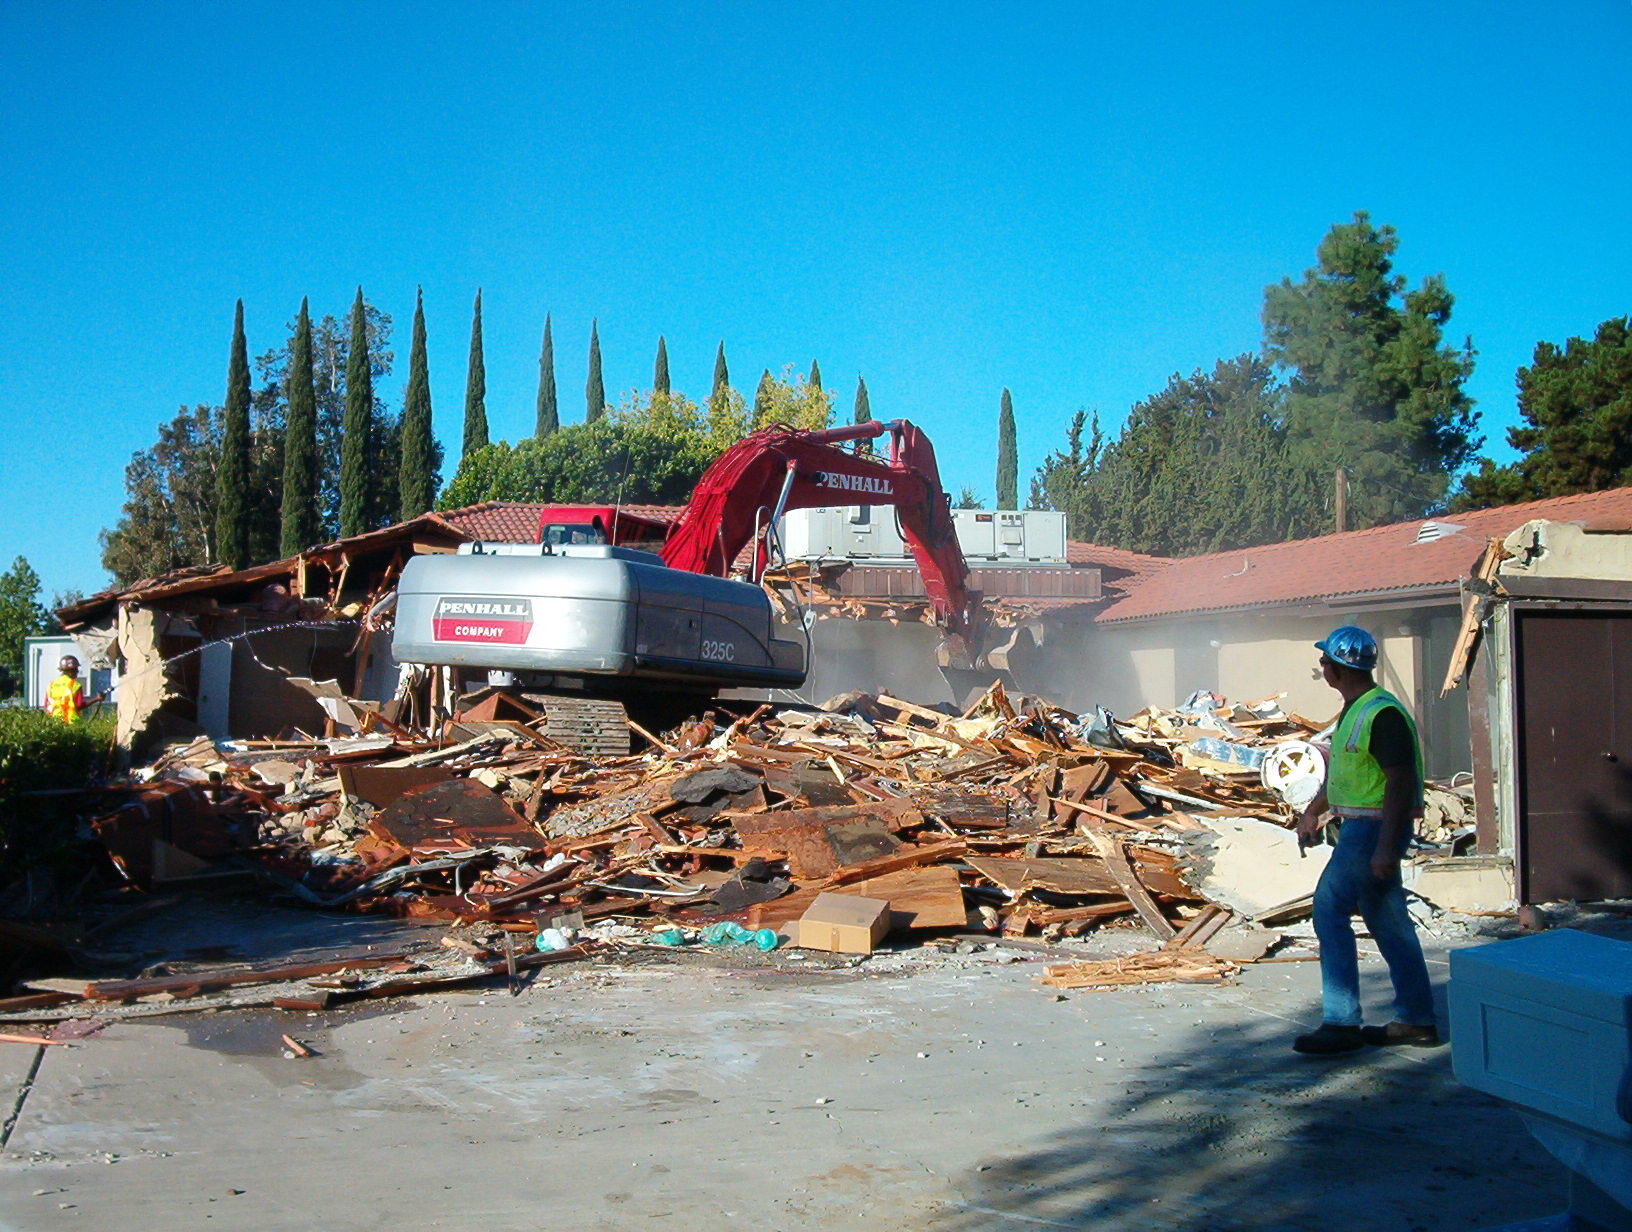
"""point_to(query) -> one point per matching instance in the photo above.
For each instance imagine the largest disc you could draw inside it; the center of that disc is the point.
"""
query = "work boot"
(1329, 1039)
(1401, 1033)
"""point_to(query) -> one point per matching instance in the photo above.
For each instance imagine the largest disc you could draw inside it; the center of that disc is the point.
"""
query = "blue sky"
(1071, 200)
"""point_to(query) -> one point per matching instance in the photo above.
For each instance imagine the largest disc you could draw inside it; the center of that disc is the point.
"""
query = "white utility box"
(1545, 1023)
(1004, 536)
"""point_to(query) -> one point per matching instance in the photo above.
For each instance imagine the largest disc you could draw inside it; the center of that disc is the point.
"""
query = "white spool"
(1295, 770)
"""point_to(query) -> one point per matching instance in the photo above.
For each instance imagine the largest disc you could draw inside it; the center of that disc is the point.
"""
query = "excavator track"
(593, 726)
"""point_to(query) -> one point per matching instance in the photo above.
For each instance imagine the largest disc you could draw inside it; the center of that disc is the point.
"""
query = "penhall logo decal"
(868, 484)
(502, 622)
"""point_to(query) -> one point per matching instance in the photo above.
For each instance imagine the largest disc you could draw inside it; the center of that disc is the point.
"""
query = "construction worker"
(65, 697)
(1374, 787)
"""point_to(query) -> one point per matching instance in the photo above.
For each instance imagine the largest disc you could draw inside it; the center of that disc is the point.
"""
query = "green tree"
(968, 498)
(331, 362)
(1008, 460)
(722, 376)
(1372, 387)
(790, 399)
(815, 380)
(594, 388)
(864, 408)
(475, 386)
(1198, 467)
(763, 416)
(232, 477)
(356, 442)
(548, 420)
(302, 524)
(602, 462)
(417, 483)
(660, 369)
(168, 518)
(21, 615)
(1576, 434)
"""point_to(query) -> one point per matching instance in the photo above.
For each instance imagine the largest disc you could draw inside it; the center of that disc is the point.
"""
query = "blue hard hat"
(1351, 646)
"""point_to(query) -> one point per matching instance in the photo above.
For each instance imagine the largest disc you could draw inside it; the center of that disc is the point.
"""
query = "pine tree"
(548, 420)
(417, 483)
(475, 387)
(722, 378)
(815, 381)
(660, 370)
(594, 390)
(354, 438)
(302, 526)
(1008, 462)
(1372, 388)
(1575, 402)
(232, 475)
(864, 408)
(762, 401)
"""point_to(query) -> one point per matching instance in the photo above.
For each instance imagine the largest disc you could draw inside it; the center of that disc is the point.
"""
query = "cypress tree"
(660, 372)
(864, 409)
(232, 477)
(762, 400)
(1008, 463)
(475, 388)
(354, 438)
(301, 527)
(548, 420)
(815, 381)
(594, 390)
(722, 378)
(417, 481)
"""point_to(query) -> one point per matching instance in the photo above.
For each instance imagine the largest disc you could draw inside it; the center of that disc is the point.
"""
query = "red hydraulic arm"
(776, 469)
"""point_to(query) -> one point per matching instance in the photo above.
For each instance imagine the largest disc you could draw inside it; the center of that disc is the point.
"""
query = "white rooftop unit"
(870, 532)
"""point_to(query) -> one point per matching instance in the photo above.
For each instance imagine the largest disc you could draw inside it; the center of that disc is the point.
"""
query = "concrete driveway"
(915, 1091)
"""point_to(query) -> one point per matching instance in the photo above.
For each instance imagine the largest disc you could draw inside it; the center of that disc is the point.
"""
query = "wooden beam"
(1116, 863)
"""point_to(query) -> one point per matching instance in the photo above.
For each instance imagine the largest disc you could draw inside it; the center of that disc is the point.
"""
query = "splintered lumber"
(905, 858)
(1063, 876)
(37, 1040)
(1116, 863)
(1183, 966)
(1197, 922)
(205, 981)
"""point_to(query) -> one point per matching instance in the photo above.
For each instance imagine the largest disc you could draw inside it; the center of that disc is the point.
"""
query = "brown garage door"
(1575, 755)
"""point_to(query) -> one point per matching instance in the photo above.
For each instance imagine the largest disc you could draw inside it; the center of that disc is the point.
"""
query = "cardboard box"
(842, 924)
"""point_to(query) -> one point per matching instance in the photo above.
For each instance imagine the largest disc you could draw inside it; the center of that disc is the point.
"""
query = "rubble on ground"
(1007, 822)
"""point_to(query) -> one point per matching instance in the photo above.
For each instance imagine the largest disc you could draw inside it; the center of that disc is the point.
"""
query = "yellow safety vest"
(1354, 780)
(59, 698)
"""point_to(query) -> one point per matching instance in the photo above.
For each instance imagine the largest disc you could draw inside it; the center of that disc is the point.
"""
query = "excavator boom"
(762, 476)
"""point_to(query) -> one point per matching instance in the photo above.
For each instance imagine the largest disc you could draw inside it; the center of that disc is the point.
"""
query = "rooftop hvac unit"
(1005, 536)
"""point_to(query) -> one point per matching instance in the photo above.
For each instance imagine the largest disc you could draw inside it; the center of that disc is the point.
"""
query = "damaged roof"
(1419, 557)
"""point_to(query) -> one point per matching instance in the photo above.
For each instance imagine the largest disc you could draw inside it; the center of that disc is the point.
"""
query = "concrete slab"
(948, 1094)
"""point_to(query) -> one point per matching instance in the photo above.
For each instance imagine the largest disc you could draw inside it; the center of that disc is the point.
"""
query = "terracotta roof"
(517, 521)
(1407, 556)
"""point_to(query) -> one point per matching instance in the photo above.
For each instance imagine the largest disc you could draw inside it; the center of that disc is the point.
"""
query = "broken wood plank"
(204, 981)
(1152, 967)
(38, 1040)
(907, 857)
(1196, 922)
(1063, 876)
(1116, 862)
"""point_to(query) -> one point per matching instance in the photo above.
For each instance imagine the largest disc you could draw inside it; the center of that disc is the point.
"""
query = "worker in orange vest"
(65, 697)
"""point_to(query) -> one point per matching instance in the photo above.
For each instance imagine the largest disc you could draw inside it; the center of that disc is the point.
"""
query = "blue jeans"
(1347, 887)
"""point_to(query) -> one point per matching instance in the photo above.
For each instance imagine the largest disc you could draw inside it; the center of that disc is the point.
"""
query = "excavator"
(594, 633)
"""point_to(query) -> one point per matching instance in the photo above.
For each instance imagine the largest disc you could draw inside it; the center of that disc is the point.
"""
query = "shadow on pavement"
(1232, 1130)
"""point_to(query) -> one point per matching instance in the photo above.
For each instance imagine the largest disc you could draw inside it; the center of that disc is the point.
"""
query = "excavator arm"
(755, 481)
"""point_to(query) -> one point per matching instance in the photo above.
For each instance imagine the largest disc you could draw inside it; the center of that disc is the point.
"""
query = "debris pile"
(1007, 821)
